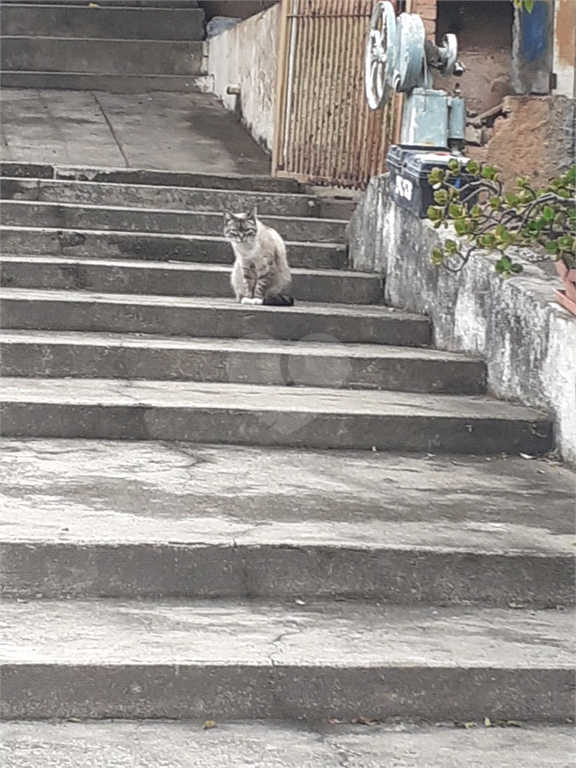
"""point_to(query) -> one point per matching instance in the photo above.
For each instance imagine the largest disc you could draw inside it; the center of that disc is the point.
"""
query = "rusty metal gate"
(325, 133)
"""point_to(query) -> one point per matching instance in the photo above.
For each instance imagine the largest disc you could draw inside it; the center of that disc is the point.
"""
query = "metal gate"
(325, 133)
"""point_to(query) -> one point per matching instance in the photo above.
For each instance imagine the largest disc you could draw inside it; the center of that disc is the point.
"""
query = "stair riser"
(212, 322)
(31, 214)
(68, 81)
(85, 193)
(123, 362)
(282, 427)
(220, 692)
(107, 23)
(158, 178)
(402, 577)
(306, 286)
(105, 57)
(126, 245)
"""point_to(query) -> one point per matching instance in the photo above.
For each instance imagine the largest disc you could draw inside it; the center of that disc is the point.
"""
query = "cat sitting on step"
(261, 274)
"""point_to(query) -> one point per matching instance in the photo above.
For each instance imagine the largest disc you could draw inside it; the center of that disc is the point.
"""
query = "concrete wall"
(565, 47)
(516, 325)
(247, 56)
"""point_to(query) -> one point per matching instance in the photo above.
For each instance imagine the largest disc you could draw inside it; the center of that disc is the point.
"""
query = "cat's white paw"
(245, 300)
(257, 301)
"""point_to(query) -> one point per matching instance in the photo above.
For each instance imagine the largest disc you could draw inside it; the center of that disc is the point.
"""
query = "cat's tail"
(279, 300)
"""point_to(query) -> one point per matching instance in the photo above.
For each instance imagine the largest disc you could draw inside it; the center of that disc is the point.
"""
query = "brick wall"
(427, 10)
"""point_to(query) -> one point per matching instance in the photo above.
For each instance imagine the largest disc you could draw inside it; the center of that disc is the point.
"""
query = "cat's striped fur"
(261, 274)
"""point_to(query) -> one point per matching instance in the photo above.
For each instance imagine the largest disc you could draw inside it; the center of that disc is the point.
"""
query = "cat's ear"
(227, 216)
(253, 213)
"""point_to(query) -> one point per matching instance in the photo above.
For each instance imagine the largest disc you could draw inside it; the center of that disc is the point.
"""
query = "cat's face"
(240, 227)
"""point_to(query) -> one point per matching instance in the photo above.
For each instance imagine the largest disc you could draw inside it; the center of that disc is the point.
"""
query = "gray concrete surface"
(123, 23)
(24, 213)
(178, 279)
(253, 659)
(163, 197)
(86, 517)
(168, 131)
(56, 354)
(89, 243)
(116, 744)
(70, 310)
(265, 415)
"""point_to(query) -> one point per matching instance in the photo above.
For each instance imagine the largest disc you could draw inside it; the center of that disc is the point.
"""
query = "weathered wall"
(516, 325)
(484, 31)
(534, 137)
(565, 47)
(247, 56)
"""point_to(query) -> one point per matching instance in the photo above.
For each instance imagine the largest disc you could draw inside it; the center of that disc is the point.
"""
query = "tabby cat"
(261, 273)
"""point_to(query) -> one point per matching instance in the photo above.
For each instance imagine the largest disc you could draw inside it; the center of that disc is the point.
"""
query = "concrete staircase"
(131, 46)
(259, 579)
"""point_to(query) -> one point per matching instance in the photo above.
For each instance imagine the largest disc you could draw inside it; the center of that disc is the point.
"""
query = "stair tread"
(223, 304)
(158, 235)
(189, 266)
(284, 745)
(260, 398)
(219, 633)
(150, 210)
(199, 495)
(272, 346)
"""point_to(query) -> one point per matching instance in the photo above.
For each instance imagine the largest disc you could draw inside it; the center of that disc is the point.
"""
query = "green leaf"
(454, 165)
(472, 167)
(437, 256)
(441, 197)
(451, 246)
(434, 213)
(488, 172)
(455, 211)
(512, 199)
(462, 226)
(529, 5)
(552, 246)
(495, 203)
(436, 176)
(548, 213)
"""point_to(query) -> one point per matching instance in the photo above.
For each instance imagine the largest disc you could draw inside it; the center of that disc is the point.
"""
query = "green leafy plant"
(527, 5)
(487, 219)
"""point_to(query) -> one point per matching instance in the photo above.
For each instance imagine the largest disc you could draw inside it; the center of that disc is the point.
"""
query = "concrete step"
(90, 518)
(224, 660)
(285, 745)
(246, 414)
(94, 244)
(109, 3)
(53, 354)
(177, 279)
(25, 213)
(150, 177)
(101, 57)
(28, 309)
(159, 197)
(109, 23)
(82, 81)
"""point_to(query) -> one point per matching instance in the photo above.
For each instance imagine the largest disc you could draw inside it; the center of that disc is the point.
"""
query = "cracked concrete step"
(105, 22)
(223, 660)
(178, 279)
(90, 518)
(26, 213)
(26, 309)
(149, 177)
(159, 197)
(285, 745)
(101, 57)
(246, 414)
(82, 81)
(53, 354)
(94, 244)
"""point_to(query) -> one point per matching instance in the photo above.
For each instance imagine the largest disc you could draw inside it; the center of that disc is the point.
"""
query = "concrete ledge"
(183, 659)
(526, 338)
